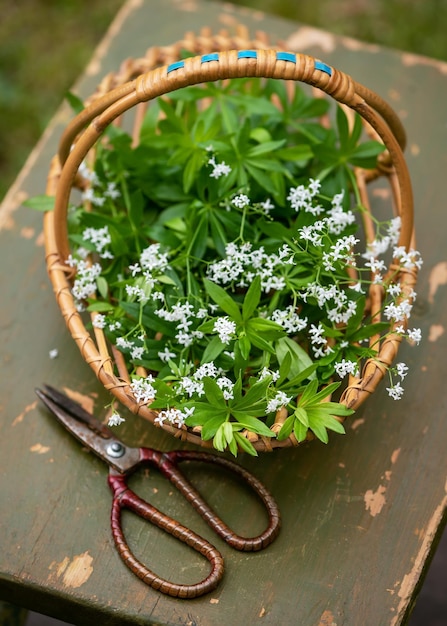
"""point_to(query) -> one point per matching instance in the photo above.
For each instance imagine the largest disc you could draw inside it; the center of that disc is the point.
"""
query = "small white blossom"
(53, 353)
(402, 370)
(344, 367)
(225, 328)
(219, 169)
(166, 355)
(115, 419)
(143, 389)
(99, 321)
(415, 335)
(280, 400)
(241, 201)
(395, 391)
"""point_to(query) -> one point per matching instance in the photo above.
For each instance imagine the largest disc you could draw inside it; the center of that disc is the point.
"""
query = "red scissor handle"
(125, 498)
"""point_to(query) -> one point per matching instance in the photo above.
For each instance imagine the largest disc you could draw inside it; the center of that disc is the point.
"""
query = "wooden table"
(364, 515)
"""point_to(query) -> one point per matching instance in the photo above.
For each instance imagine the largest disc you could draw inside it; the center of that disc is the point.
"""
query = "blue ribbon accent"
(323, 67)
(210, 57)
(247, 54)
(175, 66)
(286, 56)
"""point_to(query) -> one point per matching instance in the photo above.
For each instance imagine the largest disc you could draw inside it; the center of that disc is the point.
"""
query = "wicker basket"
(162, 71)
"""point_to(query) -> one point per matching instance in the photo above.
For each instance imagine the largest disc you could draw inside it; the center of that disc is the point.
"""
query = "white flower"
(191, 386)
(225, 328)
(100, 238)
(219, 169)
(227, 386)
(53, 353)
(267, 206)
(289, 319)
(402, 370)
(143, 389)
(344, 367)
(99, 321)
(174, 416)
(166, 355)
(395, 391)
(415, 335)
(137, 352)
(281, 399)
(241, 201)
(115, 419)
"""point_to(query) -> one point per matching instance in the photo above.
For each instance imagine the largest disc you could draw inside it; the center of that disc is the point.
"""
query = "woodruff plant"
(222, 257)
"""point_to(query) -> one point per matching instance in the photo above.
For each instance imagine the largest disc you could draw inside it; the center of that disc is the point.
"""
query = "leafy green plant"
(220, 255)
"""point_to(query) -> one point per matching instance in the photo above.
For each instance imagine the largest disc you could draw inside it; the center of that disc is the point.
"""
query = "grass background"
(45, 44)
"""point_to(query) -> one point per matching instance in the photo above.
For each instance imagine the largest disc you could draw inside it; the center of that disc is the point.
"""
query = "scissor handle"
(125, 498)
(167, 464)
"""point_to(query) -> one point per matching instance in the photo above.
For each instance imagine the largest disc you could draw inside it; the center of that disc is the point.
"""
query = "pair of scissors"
(123, 461)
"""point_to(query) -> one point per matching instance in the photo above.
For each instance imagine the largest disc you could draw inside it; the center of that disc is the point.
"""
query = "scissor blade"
(108, 448)
(74, 409)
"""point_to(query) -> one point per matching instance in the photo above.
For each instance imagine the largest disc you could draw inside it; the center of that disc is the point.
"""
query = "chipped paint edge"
(410, 580)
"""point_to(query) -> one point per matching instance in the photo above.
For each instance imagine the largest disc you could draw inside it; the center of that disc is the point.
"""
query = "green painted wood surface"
(361, 516)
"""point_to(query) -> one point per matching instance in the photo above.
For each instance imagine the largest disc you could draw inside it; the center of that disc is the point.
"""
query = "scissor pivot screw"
(115, 450)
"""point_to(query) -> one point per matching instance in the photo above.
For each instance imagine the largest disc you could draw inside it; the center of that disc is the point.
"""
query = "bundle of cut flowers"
(223, 256)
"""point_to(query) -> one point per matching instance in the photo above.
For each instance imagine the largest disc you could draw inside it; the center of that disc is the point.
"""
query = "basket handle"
(222, 65)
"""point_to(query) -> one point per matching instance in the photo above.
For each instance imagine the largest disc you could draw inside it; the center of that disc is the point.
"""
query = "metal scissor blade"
(88, 430)
(74, 409)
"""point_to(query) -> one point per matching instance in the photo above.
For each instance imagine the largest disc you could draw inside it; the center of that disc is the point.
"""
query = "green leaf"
(244, 346)
(255, 425)
(286, 428)
(252, 298)
(212, 350)
(300, 360)
(213, 392)
(300, 431)
(255, 393)
(244, 444)
(40, 203)
(302, 416)
(75, 102)
(316, 398)
(210, 427)
(269, 329)
(266, 147)
(100, 307)
(223, 299)
(103, 287)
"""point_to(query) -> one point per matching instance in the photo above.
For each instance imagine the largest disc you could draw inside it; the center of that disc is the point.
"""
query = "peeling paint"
(382, 193)
(327, 619)
(21, 416)
(15, 198)
(262, 612)
(87, 402)
(308, 37)
(415, 149)
(38, 448)
(27, 232)
(435, 332)
(409, 60)
(74, 573)
(409, 581)
(94, 67)
(358, 422)
(437, 278)
(214, 601)
(375, 500)
(395, 455)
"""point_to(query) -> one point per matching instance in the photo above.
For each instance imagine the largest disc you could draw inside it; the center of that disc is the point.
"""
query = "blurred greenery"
(45, 44)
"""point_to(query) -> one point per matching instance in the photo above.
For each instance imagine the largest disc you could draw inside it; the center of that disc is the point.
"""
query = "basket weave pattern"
(219, 57)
